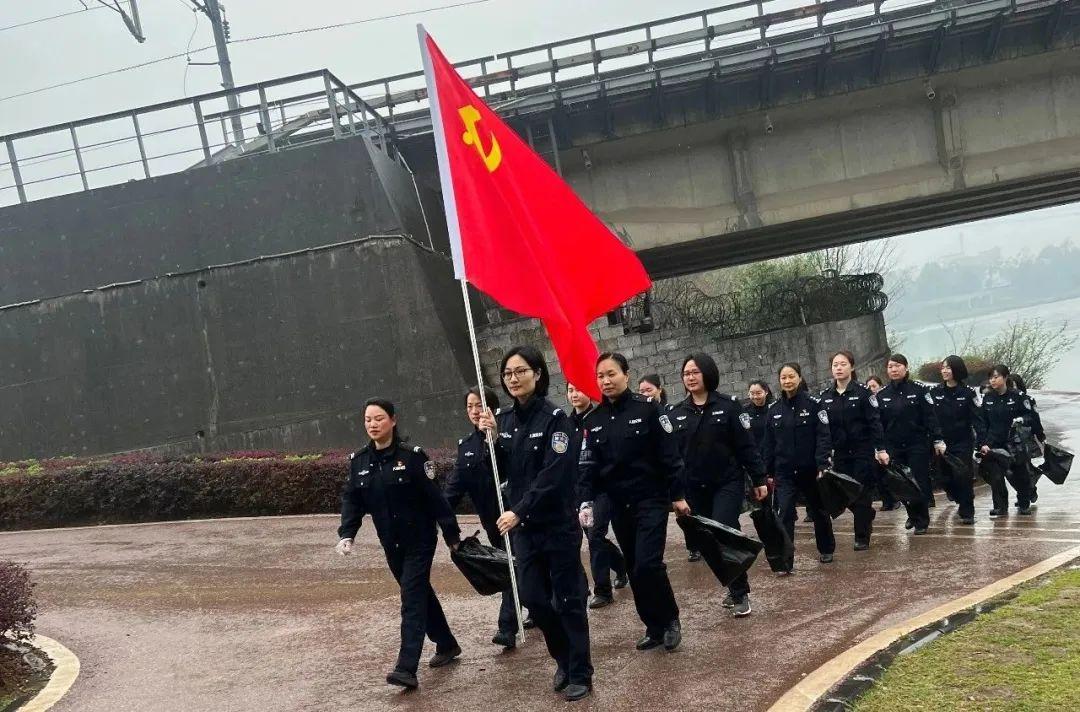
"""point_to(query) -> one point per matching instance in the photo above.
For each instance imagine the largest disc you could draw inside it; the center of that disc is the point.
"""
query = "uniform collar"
(370, 448)
(621, 400)
(525, 411)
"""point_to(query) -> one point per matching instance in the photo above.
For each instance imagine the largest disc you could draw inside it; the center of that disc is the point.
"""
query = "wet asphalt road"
(262, 615)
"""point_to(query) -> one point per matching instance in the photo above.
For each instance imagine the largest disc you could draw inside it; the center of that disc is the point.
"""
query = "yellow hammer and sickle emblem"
(470, 117)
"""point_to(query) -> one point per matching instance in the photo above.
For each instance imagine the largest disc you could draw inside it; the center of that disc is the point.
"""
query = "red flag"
(517, 230)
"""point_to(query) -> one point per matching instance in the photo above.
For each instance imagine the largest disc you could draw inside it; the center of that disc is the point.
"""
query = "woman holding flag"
(537, 449)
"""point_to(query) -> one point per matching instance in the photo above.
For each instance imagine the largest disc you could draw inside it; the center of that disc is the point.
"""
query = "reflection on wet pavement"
(260, 614)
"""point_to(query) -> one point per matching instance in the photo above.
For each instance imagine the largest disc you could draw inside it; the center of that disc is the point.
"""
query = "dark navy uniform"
(629, 455)
(473, 476)
(958, 412)
(856, 434)
(797, 445)
(604, 555)
(911, 425)
(718, 453)
(994, 428)
(758, 418)
(538, 447)
(396, 486)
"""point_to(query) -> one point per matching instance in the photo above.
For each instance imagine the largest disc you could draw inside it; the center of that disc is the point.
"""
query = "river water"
(934, 341)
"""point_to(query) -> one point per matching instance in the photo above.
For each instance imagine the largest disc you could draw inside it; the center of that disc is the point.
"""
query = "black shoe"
(1026, 511)
(825, 558)
(1034, 496)
(728, 601)
(672, 636)
(998, 513)
(507, 640)
(621, 580)
(599, 601)
(742, 607)
(889, 507)
(931, 504)
(909, 524)
(694, 556)
(402, 679)
(648, 642)
(528, 623)
(444, 658)
(967, 521)
(576, 692)
(920, 530)
(861, 545)
(560, 681)
(808, 517)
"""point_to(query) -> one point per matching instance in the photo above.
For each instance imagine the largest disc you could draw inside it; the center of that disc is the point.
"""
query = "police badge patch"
(929, 398)
(665, 423)
(873, 401)
(744, 418)
(429, 469)
(560, 442)
(823, 416)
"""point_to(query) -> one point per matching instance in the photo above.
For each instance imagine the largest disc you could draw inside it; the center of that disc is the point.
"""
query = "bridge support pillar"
(741, 180)
(950, 139)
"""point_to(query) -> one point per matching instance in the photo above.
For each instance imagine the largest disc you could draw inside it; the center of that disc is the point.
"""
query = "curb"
(62, 678)
(809, 691)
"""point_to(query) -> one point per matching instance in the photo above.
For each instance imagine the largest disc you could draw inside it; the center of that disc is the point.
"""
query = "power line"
(256, 38)
(52, 17)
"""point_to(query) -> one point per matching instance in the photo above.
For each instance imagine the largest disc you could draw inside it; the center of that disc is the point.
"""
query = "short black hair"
(387, 406)
(958, 367)
(710, 374)
(532, 356)
(1001, 370)
(490, 396)
(899, 358)
(794, 366)
(616, 357)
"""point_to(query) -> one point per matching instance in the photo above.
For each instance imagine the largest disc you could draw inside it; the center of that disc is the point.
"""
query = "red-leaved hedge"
(127, 488)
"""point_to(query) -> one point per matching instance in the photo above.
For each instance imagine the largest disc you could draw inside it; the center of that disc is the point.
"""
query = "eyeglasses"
(516, 373)
(687, 374)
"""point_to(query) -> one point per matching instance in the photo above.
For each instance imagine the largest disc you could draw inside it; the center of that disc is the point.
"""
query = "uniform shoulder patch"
(815, 399)
(498, 411)
(560, 442)
(1028, 405)
(417, 448)
(823, 416)
(429, 469)
(873, 401)
(929, 398)
(460, 440)
(352, 455)
(665, 423)
(744, 418)
(733, 399)
(557, 412)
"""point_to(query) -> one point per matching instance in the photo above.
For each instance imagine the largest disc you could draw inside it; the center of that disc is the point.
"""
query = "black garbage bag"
(1056, 463)
(486, 567)
(901, 483)
(952, 470)
(779, 550)
(837, 491)
(727, 551)
(994, 465)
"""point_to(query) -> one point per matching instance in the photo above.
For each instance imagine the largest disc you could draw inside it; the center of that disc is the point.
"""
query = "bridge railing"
(173, 136)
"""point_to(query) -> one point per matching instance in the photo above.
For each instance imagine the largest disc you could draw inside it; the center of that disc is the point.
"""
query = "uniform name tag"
(536, 435)
(399, 466)
(635, 421)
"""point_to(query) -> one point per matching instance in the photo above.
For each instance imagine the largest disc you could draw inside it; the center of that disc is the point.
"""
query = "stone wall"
(740, 359)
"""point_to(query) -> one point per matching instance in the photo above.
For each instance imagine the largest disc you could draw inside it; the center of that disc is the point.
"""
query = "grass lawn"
(1024, 655)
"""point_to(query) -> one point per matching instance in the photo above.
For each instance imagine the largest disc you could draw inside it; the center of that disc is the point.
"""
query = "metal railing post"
(264, 115)
(142, 148)
(15, 171)
(554, 145)
(332, 101)
(202, 129)
(78, 158)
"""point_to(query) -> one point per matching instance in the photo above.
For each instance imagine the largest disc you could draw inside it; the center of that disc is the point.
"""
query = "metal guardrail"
(174, 136)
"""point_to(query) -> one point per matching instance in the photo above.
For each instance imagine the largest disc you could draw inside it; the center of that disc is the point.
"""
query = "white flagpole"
(491, 452)
(450, 206)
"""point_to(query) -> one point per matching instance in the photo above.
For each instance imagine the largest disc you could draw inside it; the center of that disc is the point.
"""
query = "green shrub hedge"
(139, 488)
(17, 605)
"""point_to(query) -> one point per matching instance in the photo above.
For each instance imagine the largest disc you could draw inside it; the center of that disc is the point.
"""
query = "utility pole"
(212, 10)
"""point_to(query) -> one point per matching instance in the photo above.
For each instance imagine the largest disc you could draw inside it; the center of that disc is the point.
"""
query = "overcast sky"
(96, 41)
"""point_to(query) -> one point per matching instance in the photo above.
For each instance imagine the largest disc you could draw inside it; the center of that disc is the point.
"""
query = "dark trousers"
(554, 589)
(788, 488)
(641, 530)
(723, 503)
(1019, 476)
(917, 457)
(604, 555)
(861, 466)
(962, 487)
(487, 508)
(420, 610)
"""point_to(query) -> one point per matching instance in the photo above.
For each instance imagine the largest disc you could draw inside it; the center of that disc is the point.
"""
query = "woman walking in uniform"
(651, 386)
(538, 447)
(797, 446)
(629, 455)
(396, 485)
(911, 425)
(958, 412)
(1001, 407)
(718, 453)
(759, 398)
(857, 438)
